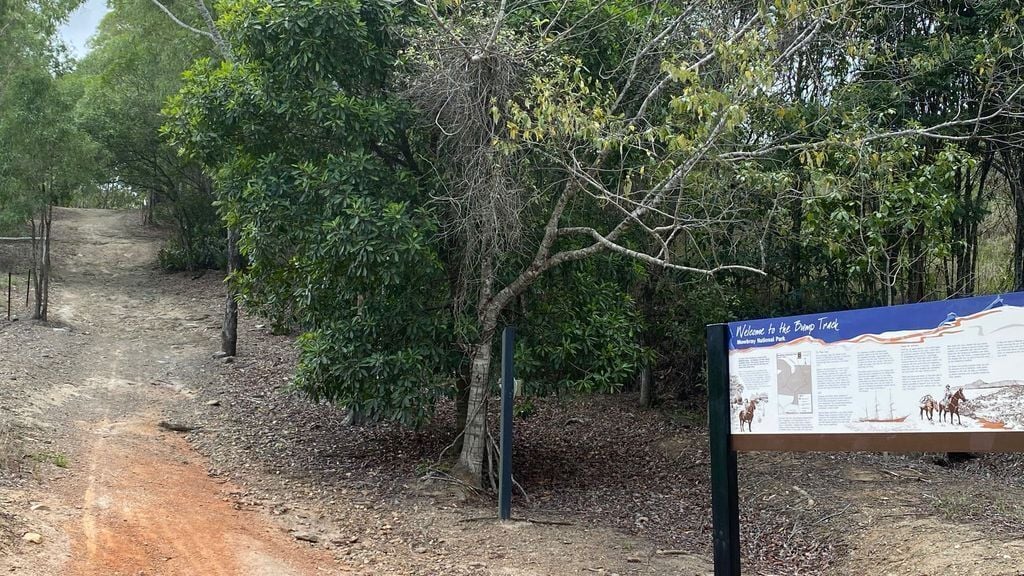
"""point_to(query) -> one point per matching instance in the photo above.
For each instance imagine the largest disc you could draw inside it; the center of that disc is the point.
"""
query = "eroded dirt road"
(116, 494)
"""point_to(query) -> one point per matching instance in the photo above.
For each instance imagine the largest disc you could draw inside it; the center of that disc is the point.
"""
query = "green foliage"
(304, 140)
(873, 214)
(579, 334)
(44, 157)
(797, 144)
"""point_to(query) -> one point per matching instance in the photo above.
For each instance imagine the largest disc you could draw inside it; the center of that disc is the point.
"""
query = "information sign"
(942, 376)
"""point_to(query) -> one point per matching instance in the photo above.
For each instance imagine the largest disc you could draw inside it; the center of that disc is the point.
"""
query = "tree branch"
(215, 35)
(615, 247)
(178, 21)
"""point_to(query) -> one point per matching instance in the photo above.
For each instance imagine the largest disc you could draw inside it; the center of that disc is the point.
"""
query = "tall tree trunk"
(1018, 240)
(918, 267)
(970, 189)
(1013, 167)
(229, 330)
(977, 202)
(474, 436)
(37, 302)
(647, 337)
(147, 216)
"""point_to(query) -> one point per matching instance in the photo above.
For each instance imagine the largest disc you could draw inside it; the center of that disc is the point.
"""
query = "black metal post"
(508, 388)
(9, 274)
(725, 510)
(28, 286)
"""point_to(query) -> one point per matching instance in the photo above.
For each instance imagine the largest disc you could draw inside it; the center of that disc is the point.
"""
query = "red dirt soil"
(149, 508)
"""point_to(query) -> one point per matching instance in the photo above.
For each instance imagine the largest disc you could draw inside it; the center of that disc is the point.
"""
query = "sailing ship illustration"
(876, 418)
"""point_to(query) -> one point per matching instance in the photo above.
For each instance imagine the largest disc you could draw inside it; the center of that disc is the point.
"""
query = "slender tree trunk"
(229, 331)
(47, 227)
(888, 280)
(918, 267)
(474, 438)
(970, 187)
(977, 214)
(647, 338)
(147, 218)
(37, 268)
(1018, 241)
(1013, 167)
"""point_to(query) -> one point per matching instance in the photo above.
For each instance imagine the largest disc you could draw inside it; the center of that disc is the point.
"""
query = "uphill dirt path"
(115, 494)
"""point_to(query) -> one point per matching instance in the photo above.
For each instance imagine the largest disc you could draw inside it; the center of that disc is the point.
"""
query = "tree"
(317, 176)
(49, 159)
(476, 151)
(180, 13)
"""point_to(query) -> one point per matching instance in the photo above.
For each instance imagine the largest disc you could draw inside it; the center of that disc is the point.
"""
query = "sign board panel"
(939, 368)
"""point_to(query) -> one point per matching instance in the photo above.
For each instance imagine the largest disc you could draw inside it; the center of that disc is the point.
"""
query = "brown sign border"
(966, 441)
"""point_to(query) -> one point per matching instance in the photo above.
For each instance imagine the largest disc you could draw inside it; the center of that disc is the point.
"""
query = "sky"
(81, 25)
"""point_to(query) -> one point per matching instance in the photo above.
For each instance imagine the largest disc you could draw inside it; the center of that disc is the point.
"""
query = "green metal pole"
(725, 510)
(508, 387)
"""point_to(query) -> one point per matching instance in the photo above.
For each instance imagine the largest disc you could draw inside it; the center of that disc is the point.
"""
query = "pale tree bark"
(474, 441)
(36, 283)
(48, 233)
(214, 33)
(41, 262)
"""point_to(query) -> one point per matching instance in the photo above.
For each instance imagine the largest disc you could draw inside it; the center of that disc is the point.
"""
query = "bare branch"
(178, 21)
(214, 33)
(614, 247)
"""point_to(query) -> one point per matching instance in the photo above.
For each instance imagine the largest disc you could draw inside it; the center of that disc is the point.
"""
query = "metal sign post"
(508, 387)
(725, 508)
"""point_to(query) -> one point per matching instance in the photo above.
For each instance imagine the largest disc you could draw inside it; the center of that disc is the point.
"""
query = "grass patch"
(56, 458)
(962, 504)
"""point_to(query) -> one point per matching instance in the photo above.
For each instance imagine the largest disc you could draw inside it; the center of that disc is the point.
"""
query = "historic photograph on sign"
(937, 367)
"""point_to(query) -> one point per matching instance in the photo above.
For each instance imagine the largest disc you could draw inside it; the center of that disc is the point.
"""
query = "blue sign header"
(832, 327)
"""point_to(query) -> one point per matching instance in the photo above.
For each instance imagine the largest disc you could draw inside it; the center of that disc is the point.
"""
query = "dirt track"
(129, 348)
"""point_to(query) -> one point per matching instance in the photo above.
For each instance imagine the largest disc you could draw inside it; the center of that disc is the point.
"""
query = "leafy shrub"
(579, 334)
(173, 257)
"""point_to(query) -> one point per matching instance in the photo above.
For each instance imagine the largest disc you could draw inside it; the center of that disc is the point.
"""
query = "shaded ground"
(612, 489)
